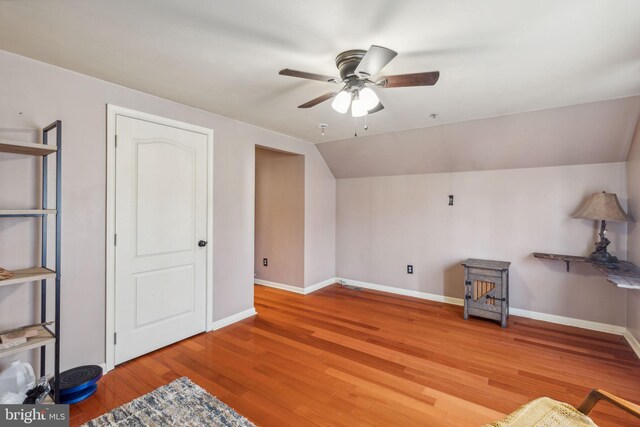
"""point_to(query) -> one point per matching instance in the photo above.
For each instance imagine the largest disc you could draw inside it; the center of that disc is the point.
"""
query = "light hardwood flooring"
(342, 357)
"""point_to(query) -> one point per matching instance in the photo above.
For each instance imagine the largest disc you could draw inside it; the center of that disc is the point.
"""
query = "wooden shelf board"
(565, 258)
(624, 274)
(29, 275)
(23, 212)
(44, 337)
(17, 147)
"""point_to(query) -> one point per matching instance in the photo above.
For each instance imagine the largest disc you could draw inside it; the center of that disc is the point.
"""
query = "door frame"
(112, 112)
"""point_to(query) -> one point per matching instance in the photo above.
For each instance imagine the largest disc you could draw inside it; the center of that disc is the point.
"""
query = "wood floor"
(342, 357)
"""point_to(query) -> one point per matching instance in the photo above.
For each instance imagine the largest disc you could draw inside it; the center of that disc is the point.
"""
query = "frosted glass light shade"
(369, 97)
(341, 102)
(358, 108)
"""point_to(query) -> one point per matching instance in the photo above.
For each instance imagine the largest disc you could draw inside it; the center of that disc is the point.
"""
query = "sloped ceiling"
(496, 57)
(597, 132)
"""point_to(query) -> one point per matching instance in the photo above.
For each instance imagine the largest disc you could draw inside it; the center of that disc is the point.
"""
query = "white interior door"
(161, 233)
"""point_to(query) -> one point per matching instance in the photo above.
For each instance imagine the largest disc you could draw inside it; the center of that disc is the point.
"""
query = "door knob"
(202, 243)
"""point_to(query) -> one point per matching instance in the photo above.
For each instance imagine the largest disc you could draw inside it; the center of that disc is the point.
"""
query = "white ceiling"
(495, 57)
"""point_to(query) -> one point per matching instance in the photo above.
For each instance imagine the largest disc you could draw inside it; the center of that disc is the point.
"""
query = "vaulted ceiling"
(495, 57)
(597, 132)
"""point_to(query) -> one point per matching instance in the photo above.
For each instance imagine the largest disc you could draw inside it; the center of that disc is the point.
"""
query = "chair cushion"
(545, 412)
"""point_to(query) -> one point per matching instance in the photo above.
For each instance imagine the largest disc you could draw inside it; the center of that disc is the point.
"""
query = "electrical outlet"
(409, 269)
(450, 199)
(265, 262)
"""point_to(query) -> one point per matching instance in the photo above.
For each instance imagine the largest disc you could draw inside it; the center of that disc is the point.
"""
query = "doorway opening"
(279, 219)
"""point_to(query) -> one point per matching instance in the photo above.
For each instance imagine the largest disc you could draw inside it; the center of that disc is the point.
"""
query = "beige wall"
(33, 94)
(385, 223)
(633, 183)
(319, 219)
(279, 217)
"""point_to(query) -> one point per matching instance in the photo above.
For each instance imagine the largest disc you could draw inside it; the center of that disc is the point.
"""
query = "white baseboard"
(568, 321)
(104, 368)
(633, 342)
(398, 291)
(289, 288)
(233, 318)
(296, 289)
(323, 284)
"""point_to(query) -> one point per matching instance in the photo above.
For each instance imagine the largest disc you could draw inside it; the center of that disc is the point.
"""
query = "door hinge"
(115, 338)
(116, 141)
(115, 239)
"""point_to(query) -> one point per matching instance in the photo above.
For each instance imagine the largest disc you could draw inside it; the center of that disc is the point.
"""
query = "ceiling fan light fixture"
(358, 108)
(341, 102)
(369, 97)
(357, 67)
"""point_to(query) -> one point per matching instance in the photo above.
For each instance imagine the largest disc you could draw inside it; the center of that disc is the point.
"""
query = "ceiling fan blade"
(374, 60)
(406, 80)
(377, 108)
(310, 76)
(319, 99)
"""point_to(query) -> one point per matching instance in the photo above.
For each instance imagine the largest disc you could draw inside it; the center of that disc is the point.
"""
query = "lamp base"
(600, 255)
(603, 257)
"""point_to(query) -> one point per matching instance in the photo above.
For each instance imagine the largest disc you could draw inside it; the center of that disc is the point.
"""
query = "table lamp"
(603, 207)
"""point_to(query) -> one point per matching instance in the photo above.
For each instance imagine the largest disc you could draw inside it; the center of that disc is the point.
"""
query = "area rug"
(179, 403)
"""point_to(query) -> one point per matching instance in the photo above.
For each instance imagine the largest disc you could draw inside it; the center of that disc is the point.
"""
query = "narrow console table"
(623, 274)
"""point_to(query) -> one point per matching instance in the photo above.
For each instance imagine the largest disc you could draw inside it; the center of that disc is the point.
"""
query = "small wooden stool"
(486, 286)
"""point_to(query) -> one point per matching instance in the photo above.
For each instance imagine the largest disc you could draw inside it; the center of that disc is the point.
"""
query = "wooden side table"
(486, 285)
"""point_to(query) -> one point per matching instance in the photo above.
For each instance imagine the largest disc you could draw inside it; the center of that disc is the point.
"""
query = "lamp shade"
(603, 206)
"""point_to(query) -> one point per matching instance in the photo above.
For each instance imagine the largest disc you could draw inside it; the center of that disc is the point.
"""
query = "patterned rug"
(179, 403)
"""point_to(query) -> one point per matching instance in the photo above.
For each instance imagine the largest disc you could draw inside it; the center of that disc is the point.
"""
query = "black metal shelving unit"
(42, 273)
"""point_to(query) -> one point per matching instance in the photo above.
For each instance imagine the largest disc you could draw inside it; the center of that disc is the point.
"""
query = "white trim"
(633, 342)
(320, 285)
(406, 292)
(288, 288)
(568, 321)
(233, 318)
(112, 112)
(295, 289)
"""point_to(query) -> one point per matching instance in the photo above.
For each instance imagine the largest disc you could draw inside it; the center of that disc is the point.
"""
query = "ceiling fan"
(357, 68)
